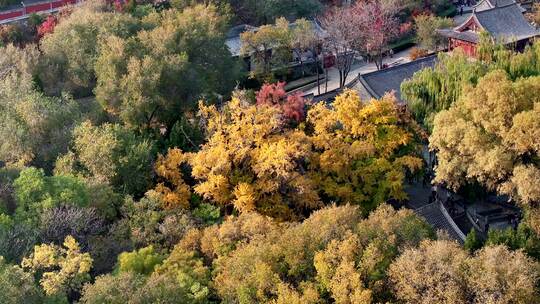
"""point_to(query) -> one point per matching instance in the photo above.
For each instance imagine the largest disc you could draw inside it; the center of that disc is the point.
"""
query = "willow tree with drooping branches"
(434, 89)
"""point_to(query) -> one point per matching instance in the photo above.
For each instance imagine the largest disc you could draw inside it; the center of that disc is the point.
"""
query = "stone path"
(361, 68)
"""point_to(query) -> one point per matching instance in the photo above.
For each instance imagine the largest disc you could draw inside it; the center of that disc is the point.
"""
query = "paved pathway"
(362, 68)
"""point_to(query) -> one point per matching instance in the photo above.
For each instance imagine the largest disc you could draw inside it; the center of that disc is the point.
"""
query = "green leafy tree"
(191, 275)
(268, 47)
(434, 89)
(260, 12)
(472, 241)
(208, 213)
(426, 27)
(70, 52)
(109, 154)
(141, 261)
(180, 57)
(33, 127)
(182, 278)
(292, 9)
(118, 289)
(151, 224)
(17, 286)
(35, 192)
(522, 238)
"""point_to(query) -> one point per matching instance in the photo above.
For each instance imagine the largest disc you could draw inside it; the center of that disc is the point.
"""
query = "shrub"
(472, 242)
(417, 53)
(141, 261)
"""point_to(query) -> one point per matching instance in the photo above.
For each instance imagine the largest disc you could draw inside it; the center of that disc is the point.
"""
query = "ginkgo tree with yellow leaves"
(250, 161)
(62, 269)
(353, 152)
(362, 151)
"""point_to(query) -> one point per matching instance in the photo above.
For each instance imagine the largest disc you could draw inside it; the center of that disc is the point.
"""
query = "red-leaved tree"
(367, 27)
(47, 26)
(379, 25)
(292, 106)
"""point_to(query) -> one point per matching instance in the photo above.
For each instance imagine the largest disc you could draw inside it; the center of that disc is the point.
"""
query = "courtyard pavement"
(360, 68)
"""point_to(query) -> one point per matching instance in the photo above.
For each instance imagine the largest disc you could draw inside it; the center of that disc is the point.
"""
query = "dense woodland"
(135, 167)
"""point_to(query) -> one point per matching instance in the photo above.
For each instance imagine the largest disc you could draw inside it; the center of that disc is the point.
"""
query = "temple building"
(503, 20)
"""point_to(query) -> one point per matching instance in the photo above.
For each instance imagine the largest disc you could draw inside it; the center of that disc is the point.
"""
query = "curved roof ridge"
(466, 22)
(495, 8)
(490, 4)
(506, 23)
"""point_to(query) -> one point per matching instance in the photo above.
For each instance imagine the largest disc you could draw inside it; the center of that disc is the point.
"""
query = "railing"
(42, 7)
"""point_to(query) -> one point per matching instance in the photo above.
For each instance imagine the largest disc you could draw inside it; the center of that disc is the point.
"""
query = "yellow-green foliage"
(491, 136)
(61, 268)
(332, 254)
(141, 261)
(435, 89)
(443, 272)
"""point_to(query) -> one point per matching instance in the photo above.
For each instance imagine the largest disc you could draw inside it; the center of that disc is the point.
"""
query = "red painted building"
(503, 20)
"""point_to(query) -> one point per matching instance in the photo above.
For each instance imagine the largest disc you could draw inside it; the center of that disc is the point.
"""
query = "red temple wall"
(468, 48)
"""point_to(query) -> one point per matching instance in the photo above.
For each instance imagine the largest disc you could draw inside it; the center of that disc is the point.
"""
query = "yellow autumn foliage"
(168, 168)
(352, 152)
(357, 147)
(62, 269)
(490, 136)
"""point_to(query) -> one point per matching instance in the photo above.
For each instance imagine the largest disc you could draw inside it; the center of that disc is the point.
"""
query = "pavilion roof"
(465, 36)
(506, 24)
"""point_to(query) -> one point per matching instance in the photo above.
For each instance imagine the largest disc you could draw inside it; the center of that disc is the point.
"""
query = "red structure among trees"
(503, 20)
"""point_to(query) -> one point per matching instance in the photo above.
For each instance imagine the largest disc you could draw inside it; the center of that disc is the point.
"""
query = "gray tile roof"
(233, 38)
(466, 36)
(506, 23)
(384, 81)
(489, 4)
(235, 45)
(436, 218)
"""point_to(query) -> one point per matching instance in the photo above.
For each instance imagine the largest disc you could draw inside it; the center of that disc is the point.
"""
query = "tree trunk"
(348, 63)
(318, 80)
(326, 80)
